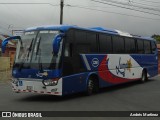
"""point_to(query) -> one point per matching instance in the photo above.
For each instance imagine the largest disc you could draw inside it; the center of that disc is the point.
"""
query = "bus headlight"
(51, 82)
(15, 81)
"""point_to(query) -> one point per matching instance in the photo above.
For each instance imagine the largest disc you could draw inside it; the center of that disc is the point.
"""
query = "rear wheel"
(144, 76)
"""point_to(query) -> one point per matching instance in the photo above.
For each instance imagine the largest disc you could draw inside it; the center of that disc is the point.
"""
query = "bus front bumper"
(36, 86)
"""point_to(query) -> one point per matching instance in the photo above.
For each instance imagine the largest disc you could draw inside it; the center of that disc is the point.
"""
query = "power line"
(96, 6)
(150, 1)
(83, 7)
(132, 5)
(29, 4)
(125, 7)
(142, 3)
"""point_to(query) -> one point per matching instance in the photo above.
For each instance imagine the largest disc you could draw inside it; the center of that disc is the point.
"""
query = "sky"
(143, 19)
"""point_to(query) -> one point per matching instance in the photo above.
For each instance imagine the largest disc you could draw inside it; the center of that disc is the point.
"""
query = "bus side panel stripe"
(86, 62)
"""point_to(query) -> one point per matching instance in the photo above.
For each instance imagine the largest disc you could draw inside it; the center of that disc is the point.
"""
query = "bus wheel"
(144, 76)
(92, 86)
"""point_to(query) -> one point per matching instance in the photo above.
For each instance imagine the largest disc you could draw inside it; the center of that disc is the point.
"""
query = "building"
(10, 49)
(11, 46)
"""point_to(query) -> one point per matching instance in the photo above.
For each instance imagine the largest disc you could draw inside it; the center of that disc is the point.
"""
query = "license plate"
(29, 88)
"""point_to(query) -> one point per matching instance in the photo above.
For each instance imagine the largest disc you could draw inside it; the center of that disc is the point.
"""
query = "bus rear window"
(153, 46)
(147, 47)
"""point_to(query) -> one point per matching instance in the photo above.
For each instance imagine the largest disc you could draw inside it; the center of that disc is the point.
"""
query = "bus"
(62, 60)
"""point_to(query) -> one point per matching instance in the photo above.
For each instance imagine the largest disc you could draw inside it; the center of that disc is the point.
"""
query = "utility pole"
(61, 11)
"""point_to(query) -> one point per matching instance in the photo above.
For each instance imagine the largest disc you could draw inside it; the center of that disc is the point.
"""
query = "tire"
(92, 86)
(144, 76)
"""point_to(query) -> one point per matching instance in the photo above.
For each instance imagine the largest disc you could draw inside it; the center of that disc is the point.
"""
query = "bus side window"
(68, 50)
(91, 40)
(105, 44)
(140, 46)
(130, 47)
(118, 45)
(68, 67)
(83, 48)
(147, 47)
(153, 46)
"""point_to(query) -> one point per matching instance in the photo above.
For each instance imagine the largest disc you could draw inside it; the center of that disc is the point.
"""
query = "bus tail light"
(51, 82)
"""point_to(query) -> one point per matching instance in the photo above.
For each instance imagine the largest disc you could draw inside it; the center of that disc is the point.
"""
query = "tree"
(156, 37)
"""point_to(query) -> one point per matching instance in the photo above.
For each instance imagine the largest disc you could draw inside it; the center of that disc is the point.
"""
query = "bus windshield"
(36, 51)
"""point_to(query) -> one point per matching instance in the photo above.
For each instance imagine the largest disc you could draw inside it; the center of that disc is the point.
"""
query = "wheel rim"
(90, 87)
(143, 76)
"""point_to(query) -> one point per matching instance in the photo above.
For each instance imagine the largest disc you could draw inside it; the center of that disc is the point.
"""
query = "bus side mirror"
(56, 43)
(5, 42)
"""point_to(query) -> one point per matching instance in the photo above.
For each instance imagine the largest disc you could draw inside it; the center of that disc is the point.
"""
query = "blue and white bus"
(62, 60)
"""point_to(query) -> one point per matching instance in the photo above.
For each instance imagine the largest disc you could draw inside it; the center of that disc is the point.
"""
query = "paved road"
(128, 97)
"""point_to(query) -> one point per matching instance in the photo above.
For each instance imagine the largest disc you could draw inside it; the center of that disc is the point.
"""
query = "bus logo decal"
(95, 62)
(123, 66)
(42, 74)
(129, 63)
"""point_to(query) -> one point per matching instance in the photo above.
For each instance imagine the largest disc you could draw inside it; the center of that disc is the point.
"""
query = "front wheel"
(92, 86)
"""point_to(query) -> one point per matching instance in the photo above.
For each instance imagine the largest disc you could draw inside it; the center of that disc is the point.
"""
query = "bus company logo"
(95, 62)
(42, 74)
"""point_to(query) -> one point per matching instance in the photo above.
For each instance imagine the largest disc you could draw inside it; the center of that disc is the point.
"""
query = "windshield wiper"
(40, 62)
(38, 52)
(37, 47)
(22, 63)
(27, 55)
(30, 48)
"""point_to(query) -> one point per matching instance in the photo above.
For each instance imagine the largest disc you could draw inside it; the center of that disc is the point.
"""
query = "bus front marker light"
(15, 81)
(54, 81)
(46, 82)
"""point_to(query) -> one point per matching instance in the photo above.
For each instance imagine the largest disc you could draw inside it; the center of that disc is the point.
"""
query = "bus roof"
(64, 28)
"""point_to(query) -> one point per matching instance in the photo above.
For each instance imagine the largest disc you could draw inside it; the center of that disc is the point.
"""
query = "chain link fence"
(5, 70)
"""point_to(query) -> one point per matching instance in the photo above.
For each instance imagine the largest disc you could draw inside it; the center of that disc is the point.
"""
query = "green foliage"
(157, 37)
